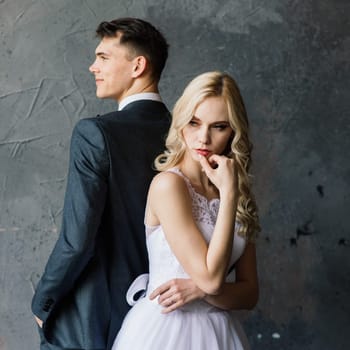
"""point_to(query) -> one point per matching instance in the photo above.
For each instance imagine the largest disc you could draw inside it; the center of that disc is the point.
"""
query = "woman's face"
(209, 131)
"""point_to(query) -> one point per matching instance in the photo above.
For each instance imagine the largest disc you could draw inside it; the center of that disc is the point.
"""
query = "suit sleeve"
(83, 207)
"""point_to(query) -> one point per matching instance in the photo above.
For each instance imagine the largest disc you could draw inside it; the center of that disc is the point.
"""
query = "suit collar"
(147, 110)
(153, 96)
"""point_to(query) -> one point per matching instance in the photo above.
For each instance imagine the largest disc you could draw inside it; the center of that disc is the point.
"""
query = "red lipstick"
(203, 152)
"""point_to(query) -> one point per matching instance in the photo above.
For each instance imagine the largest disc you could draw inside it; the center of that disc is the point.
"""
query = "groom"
(80, 300)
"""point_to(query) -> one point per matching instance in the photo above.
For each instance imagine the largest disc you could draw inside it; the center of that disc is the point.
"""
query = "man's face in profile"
(112, 68)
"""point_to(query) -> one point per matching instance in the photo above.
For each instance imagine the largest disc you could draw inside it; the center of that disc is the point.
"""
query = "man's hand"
(176, 293)
(38, 321)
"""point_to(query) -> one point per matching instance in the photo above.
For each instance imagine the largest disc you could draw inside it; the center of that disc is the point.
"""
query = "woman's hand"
(222, 172)
(176, 293)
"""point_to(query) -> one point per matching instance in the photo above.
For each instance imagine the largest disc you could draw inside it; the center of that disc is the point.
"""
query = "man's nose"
(93, 68)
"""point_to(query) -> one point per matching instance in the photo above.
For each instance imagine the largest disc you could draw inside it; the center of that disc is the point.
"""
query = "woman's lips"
(203, 152)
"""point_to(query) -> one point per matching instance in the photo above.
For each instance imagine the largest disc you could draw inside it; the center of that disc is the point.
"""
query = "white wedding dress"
(195, 326)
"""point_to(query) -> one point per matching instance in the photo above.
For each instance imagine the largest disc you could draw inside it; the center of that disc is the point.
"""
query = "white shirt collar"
(141, 96)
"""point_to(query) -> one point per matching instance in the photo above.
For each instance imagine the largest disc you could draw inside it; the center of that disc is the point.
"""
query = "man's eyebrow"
(102, 53)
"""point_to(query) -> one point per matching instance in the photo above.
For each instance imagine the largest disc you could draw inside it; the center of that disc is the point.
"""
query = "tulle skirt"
(196, 326)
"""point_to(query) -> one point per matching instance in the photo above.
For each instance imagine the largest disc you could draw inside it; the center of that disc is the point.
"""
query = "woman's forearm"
(235, 296)
(220, 246)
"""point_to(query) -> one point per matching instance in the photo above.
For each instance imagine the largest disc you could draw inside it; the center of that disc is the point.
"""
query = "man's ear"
(140, 65)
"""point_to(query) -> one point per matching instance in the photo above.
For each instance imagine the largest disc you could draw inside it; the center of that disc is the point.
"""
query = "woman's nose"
(204, 136)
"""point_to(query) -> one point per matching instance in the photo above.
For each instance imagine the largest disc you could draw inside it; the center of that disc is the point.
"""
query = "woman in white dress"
(201, 220)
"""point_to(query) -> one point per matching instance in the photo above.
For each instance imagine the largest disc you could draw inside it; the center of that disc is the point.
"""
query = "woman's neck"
(199, 180)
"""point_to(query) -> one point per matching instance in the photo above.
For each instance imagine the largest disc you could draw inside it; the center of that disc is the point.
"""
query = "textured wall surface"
(291, 60)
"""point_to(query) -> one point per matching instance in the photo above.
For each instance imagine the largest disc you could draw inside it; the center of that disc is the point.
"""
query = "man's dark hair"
(140, 36)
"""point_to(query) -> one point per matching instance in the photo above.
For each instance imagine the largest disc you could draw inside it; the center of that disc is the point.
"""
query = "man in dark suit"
(80, 300)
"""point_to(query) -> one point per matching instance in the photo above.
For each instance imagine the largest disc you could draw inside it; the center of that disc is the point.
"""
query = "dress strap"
(179, 172)
(176, 171)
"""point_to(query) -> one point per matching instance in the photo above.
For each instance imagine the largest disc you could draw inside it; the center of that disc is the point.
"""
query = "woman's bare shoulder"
(168, 182)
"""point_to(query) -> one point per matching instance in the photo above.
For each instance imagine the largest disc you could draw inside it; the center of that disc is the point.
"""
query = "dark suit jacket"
(101, 247)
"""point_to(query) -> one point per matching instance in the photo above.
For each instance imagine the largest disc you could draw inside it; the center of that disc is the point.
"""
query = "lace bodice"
(204, 211)
(163, 263)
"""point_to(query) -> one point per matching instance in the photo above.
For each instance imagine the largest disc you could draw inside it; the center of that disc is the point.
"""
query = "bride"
(201, 220)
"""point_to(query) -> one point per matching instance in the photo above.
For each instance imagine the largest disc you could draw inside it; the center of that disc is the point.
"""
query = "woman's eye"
(193, 123)
(220, 126)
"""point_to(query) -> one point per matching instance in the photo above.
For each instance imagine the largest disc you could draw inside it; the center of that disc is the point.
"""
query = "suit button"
(48, 304)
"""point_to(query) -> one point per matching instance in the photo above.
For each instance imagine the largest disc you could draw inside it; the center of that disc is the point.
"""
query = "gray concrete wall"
(290, 59)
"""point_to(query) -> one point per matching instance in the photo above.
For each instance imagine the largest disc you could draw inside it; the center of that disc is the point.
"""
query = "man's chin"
(101, 95)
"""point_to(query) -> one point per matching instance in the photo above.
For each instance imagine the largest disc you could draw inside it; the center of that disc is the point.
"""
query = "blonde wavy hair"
(214, 84)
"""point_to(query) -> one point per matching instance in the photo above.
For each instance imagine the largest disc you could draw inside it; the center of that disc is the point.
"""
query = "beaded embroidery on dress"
(197, 325)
